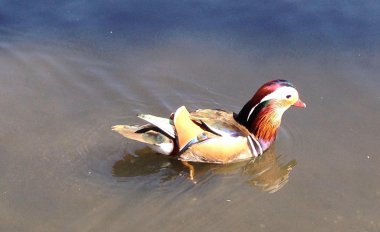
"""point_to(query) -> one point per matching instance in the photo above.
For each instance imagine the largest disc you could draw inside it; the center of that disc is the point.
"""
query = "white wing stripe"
(253, 148)
(255, 145)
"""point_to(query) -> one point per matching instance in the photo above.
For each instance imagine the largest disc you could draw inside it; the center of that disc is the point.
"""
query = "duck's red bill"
(300, 104)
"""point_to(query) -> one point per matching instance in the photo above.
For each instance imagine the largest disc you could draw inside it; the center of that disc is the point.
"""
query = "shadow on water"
(266, 172)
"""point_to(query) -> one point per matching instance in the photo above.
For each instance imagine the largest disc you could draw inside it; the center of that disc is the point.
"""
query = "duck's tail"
(147, 134)
(132, 132)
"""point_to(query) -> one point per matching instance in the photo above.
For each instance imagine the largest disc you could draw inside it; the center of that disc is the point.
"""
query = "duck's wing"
(223, 123)
(219, 122)
(212, 136)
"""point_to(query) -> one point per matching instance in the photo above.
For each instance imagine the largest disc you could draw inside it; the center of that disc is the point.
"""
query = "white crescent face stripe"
(279, 93)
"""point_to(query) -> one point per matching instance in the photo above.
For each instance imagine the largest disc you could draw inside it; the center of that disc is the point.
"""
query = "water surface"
(72, 70)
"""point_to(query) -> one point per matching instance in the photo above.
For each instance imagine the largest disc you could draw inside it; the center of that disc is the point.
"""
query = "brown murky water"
(63, 169)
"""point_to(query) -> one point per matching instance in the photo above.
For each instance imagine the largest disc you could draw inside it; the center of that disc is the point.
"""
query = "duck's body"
(218, 136)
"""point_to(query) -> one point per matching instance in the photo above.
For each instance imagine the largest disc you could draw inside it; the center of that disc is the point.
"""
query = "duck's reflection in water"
(265, 172)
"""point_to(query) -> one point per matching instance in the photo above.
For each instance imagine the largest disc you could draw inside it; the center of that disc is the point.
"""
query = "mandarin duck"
(219, 136)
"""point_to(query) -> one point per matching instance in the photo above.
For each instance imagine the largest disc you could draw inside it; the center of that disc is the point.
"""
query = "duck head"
(262, 114)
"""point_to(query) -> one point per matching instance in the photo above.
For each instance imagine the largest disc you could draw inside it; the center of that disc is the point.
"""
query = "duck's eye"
(288, 96)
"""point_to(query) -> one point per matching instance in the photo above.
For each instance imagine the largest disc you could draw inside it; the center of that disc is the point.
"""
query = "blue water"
(340, 25)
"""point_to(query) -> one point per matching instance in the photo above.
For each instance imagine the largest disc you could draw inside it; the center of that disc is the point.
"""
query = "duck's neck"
(262, 121)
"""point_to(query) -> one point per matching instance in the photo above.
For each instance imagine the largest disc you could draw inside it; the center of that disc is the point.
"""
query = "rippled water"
(70, 71)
